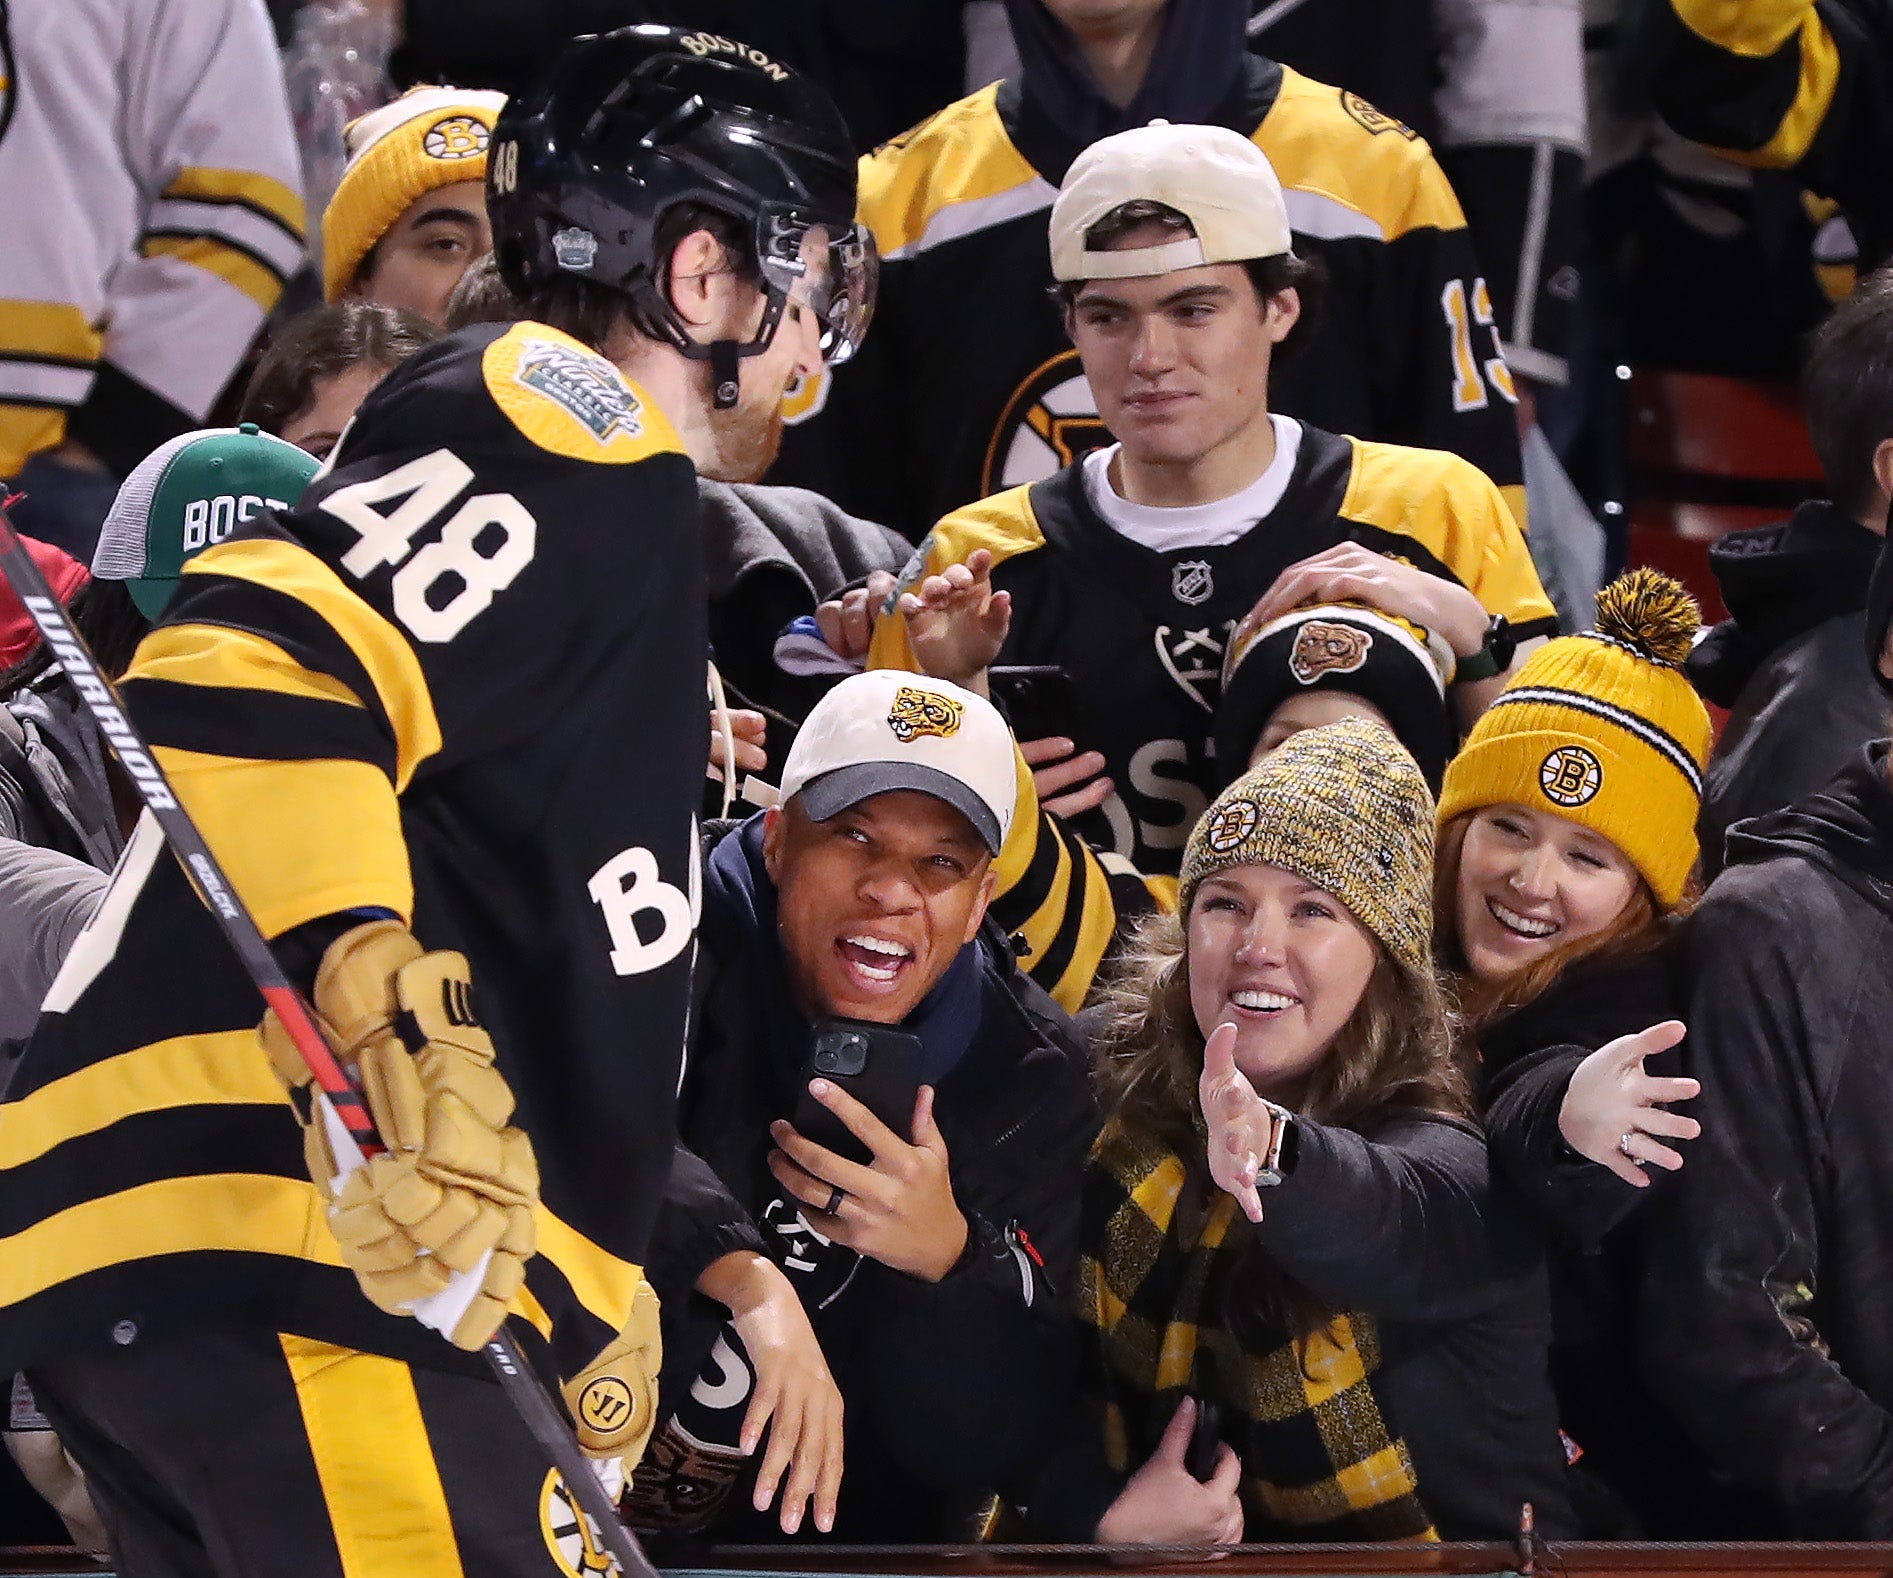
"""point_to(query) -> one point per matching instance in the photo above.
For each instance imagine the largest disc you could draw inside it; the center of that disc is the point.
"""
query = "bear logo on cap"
(919, 712)
(1324, 648)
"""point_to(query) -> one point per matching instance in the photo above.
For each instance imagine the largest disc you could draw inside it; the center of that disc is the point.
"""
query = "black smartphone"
(1038, 699)
(878, 1065)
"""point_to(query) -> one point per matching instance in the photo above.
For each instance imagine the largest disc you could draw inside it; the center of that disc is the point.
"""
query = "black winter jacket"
(1637, 1474)
(1765, 1309)
(948, 1387)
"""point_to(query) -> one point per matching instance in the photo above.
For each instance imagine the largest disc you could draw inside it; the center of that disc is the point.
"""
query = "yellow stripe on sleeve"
(228, 1068)
(387, 1506)
(381, 649)
(332, 840)
(261, 192)
(234, 266)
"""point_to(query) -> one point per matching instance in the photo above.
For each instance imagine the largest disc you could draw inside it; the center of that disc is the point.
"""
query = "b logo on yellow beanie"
(1570, 776)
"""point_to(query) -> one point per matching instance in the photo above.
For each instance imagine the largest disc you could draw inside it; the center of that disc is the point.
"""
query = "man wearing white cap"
(928, 1268)
(1171, 246)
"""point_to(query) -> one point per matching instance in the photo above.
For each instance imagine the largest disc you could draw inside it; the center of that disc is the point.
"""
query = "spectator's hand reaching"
(1613, 1111)
(1067, 785)
(1241, 1123)
(749, 731)
(957, 622)
(795, 1398)
(900, 1210)
(1165, 1504)
(847, 622)
(1349, 573)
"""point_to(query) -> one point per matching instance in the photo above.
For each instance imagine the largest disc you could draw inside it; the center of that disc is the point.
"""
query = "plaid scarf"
(1318, 1459)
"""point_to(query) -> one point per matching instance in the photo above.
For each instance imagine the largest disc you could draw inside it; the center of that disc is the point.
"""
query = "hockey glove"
(614, 1398)
(456, 1180)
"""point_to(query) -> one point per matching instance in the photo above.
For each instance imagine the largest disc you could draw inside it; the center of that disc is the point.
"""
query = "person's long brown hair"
(1640, 927)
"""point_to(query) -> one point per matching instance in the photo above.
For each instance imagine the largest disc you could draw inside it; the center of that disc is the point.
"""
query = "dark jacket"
(1404, 1223)
(946, 1385)
(1764, 1314)
(1787, 665)
(1638, 1474)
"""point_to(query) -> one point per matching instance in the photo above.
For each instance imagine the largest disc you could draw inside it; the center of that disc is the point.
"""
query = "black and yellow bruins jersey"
(968, 385)
(463, 681)
(1142, 632)
(1805, 85)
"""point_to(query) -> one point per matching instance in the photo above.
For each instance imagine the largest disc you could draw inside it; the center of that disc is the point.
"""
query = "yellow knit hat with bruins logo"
(1604, 729)
(429, 137)
(1345, 807)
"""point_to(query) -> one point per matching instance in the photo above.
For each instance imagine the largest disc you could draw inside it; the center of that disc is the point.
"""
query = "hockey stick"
(351, 1130)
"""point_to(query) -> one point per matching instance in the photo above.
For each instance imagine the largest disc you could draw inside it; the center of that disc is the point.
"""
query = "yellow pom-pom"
(1651, 612)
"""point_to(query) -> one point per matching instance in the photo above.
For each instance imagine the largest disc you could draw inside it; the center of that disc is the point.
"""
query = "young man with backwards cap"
(410, 212)
(932, 1273)
(1172, 248)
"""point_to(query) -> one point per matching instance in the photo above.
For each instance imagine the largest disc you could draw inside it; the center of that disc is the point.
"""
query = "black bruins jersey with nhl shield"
(463, 680)
(968, 384)
(1142, 632)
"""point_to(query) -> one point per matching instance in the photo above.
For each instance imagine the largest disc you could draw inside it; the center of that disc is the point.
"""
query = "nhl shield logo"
(1191, 582)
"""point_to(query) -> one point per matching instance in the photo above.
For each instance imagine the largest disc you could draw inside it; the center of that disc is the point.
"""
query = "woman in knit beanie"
(1288, 1209)
(1567, 847)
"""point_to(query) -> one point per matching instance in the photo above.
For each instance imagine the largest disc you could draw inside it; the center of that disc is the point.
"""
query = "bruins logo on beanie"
(1605, 730)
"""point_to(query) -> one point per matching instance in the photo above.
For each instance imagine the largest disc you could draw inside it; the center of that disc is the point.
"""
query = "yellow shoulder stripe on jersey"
(220, 657)
(226, 1068)
(234, 265)
(382, 650)
(1449, 507)
(567, 399)
(600, 1281)
(266, 195)
(950, 176)
(1350, 172)
(252, 1213)
(332, 840)
(55, 329)
(385, 1507)
(1004, 524)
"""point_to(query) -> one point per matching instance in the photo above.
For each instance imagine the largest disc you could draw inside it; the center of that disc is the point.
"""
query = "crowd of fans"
(1352, 1049)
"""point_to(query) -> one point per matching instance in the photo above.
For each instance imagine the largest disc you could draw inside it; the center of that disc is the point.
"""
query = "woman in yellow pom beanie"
(1566, 852)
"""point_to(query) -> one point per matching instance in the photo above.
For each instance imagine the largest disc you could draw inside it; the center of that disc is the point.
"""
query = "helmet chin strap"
(725, 362)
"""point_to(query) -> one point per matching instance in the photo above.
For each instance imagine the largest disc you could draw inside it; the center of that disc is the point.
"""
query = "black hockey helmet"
(622, 127)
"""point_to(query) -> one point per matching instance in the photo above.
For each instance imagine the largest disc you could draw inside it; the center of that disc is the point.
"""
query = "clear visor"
(833, 276)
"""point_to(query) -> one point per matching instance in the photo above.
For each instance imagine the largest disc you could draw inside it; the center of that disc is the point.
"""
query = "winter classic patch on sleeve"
(569, 400)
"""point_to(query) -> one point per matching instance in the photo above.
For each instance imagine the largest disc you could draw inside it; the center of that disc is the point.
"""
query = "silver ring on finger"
(1623, 1145)
(837, 1194)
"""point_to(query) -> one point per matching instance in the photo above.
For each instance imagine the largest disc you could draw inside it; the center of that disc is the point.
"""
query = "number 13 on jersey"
(442, 586)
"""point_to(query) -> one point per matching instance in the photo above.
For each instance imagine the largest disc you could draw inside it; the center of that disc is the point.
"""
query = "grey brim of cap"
(833, 792)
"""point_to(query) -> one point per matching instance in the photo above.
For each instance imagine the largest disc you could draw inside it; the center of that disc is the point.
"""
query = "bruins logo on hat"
(1231, 826)
(1571, 776)
(456, 137)
(1325, 648)
(919, 712)
(571, 1538)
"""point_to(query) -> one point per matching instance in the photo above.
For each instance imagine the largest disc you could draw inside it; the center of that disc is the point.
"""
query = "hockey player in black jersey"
(443, 725)
(1129, 567)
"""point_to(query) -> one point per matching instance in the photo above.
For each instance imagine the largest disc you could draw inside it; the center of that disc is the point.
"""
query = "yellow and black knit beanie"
(1604, 729)
(1345, 807)
(427, 138)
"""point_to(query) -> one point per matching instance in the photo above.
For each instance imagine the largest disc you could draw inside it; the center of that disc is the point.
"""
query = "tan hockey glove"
(456, 1180)
(614, 1398)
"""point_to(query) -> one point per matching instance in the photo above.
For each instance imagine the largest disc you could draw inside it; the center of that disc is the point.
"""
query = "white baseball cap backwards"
(1216, 178)
(886, 730)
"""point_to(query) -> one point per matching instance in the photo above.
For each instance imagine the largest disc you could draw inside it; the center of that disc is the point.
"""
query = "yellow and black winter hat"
(429, 137)
(1345, 807)
(1603, 728)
